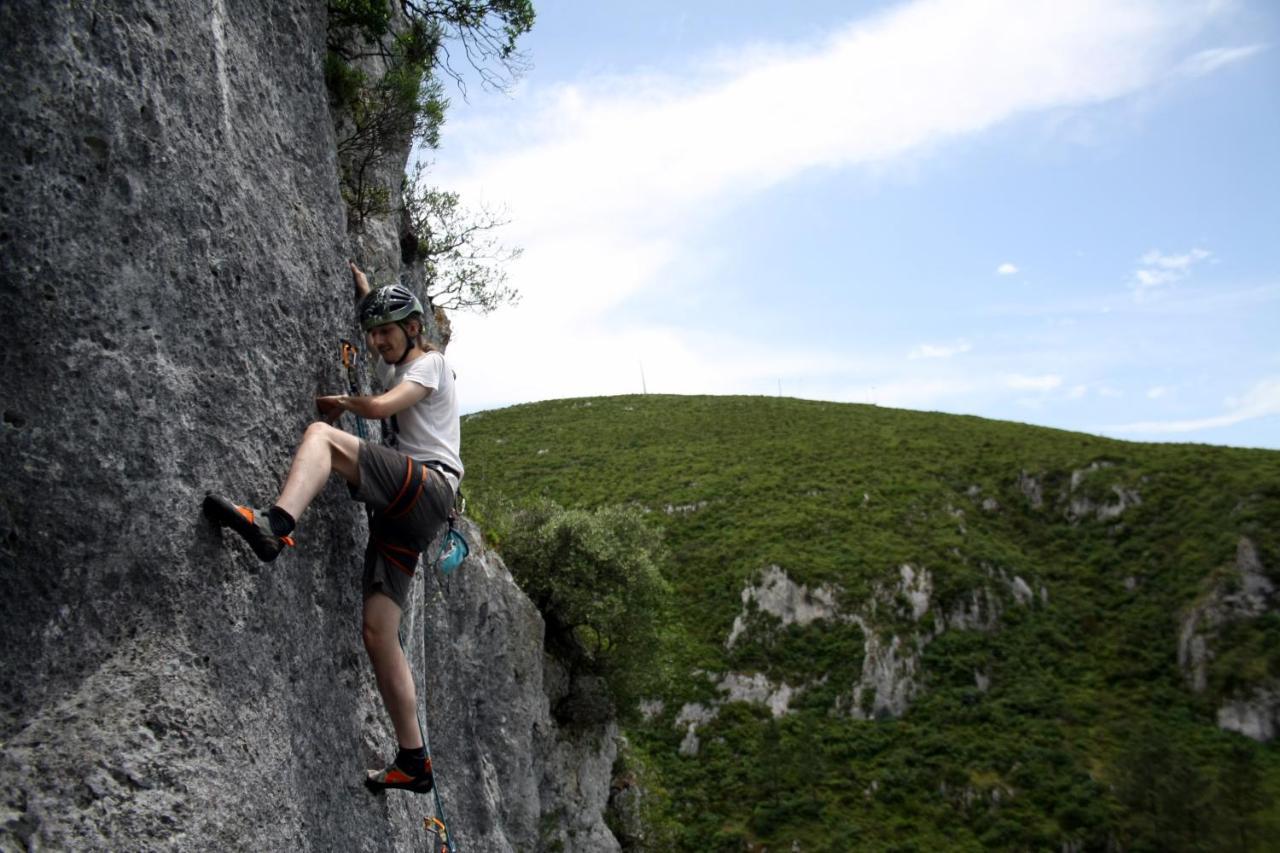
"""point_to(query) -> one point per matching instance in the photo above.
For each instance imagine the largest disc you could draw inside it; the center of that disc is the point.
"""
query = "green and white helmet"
(389, 304)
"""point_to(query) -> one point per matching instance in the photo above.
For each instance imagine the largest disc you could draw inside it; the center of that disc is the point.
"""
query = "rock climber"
(408, 484)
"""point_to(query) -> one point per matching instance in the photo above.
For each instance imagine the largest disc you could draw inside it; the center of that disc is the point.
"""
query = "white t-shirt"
(429, 429)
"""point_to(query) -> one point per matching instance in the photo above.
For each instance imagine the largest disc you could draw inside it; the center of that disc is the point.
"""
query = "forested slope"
(902, 630)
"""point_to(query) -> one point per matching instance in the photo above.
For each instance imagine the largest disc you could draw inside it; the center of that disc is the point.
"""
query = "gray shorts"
(409, 502)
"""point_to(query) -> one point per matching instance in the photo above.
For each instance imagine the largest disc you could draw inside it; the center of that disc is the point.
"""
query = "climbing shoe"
(396, 777)
(249, 523)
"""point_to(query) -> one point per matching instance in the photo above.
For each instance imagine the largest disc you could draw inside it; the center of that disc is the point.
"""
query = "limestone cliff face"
(172, 282)
(1239, 595)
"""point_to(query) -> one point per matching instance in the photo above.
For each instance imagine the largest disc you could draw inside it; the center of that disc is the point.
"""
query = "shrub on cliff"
(596, 577)
(404, 100)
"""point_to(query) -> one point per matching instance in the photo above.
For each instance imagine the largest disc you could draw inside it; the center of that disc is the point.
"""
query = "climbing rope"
(452, 552)
(436, 825)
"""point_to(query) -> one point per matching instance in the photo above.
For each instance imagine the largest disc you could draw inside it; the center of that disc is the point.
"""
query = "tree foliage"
(486, 32)
(381, 70)
(596, 578)
(384, 112)
(464, 262)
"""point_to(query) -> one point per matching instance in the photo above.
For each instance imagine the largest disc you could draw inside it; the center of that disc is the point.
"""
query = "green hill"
(948, 633)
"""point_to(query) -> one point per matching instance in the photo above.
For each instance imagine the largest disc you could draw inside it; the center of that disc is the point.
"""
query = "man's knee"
(381, 628)
(376, 635)
(343, 448)
(320, 432)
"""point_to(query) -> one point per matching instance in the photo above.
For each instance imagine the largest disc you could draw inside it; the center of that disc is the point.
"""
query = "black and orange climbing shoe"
(397, 777)
(250, 523)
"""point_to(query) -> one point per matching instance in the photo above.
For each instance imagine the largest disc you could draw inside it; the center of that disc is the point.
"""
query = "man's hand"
(330, 408)
(360, 280)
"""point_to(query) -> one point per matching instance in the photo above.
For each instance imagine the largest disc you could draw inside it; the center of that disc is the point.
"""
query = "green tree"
(1163, 791)
(596, 578)
(381, 71)
(486, 32)
(1240, 798)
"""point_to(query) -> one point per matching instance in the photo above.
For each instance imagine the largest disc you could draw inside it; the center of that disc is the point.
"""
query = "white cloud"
(1262, 400)
(608, 181)
(916, 393)
(1078, 392)
(1047, 382)
(1158, 269)
(940, 350)
(1157, 392)
(1173, 263)
(871, 92)
(1209, 61)
(1006, 269)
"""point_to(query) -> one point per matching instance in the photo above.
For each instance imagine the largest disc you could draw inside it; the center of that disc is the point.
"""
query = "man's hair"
(421, 340)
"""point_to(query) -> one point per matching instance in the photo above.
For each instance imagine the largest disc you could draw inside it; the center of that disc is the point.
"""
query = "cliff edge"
(172, 259)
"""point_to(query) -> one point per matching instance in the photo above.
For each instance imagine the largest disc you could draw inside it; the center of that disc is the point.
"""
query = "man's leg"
(324, 450)
(395, 679)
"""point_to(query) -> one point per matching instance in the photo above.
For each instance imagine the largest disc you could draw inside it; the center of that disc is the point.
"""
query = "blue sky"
(1063, 213)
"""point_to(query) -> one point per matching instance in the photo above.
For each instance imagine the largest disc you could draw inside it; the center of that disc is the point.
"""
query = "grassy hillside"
(1063, 718)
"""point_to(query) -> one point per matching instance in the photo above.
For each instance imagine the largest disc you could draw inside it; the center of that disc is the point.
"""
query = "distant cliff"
(172, 245)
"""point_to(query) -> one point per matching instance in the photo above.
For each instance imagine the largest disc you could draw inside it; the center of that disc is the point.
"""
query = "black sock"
(282, 523)
(412, 761)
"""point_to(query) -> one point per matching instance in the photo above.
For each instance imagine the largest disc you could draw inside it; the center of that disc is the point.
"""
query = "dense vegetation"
(596, 578)
(1070, 723)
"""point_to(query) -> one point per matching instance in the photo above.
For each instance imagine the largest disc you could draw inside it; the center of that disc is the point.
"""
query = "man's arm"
(385, 405)
(360, 280)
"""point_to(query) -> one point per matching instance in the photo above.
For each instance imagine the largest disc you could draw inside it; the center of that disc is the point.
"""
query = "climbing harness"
(349, 353)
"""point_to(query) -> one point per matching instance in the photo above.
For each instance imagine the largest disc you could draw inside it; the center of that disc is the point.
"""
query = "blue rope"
(435, 787)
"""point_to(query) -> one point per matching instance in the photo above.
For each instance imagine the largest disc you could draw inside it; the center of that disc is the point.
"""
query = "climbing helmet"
(389, 304)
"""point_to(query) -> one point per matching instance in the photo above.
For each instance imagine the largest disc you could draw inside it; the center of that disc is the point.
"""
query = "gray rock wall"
(1238, 596)
(172, 281)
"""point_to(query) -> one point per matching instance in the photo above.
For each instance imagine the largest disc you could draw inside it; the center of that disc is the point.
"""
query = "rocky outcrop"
(1117, 500)
(1255, 715)
(692, 715)
(1078, 499)
(893, 625)
(1240, 595)
(172, 245)
(788, 602)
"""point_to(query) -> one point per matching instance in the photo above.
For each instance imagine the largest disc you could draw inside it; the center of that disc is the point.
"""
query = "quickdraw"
(349, 354)
(435, 826)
